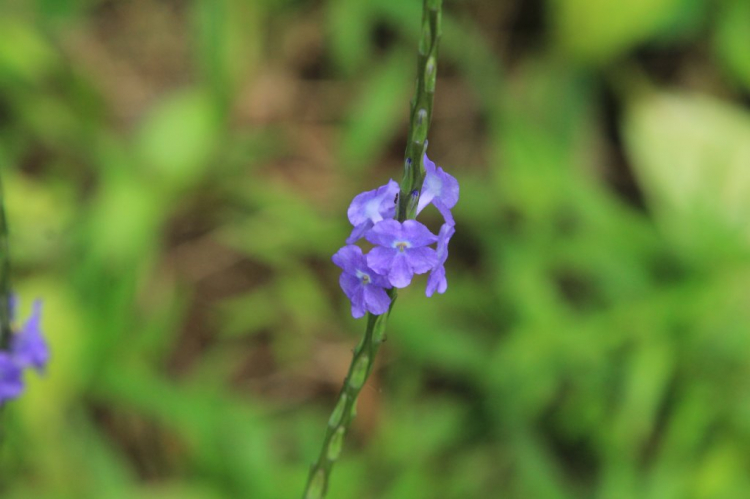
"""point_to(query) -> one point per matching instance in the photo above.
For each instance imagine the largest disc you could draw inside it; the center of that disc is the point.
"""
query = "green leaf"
(349, 26)
(596, 30)
(691, 154)
(24, 55)
(178, 138)
(730, 40)
(125, 217)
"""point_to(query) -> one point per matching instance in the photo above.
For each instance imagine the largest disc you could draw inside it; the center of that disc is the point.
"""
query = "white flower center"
(365, 278)
(401, 245)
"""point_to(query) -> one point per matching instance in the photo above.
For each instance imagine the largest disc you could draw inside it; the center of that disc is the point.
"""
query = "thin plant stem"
(421, 109)
(411, 184)
(346, 405)
(5, 332)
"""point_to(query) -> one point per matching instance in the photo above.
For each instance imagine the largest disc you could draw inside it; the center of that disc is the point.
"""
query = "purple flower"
(371, 207)
(11, 377)
(28, 346)
(27, 349)
(436, 281)
(401, 250)
(440, 189)
(363, 286)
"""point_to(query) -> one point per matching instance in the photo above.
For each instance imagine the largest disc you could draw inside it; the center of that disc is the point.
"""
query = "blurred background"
(177, 176)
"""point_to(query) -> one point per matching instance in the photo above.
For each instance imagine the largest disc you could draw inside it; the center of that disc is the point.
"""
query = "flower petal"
(447, 215)
(431, 188)
(380, 259)
(349, 258)
(446, 232)
(359, 231)
(450, 190)
(401, 272)
(438, 186)
(358, 309)
(376, 300)
(421, 260)
(373, 205)
(429, 165)
(384, 233)
(28, 346)
(349, 283)
(417, 234)
(436, 281)
(11, 378)
(379, 280)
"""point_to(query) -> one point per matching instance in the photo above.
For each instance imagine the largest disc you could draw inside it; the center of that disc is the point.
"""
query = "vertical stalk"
(4, 276)
(421, 109)
(346, 406)
(411, 185)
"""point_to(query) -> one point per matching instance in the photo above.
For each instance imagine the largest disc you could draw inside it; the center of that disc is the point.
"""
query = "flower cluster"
(27, 350)
(401, 249)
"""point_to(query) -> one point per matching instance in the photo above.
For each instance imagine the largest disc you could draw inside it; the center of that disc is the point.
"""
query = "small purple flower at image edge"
(28, 349)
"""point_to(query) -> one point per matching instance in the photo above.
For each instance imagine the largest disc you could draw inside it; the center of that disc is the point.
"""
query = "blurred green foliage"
(177, 175)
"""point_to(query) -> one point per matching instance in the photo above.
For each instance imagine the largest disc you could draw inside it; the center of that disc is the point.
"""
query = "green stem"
(364, 354)
(346, 406)
(4, 277)
(421, 109)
